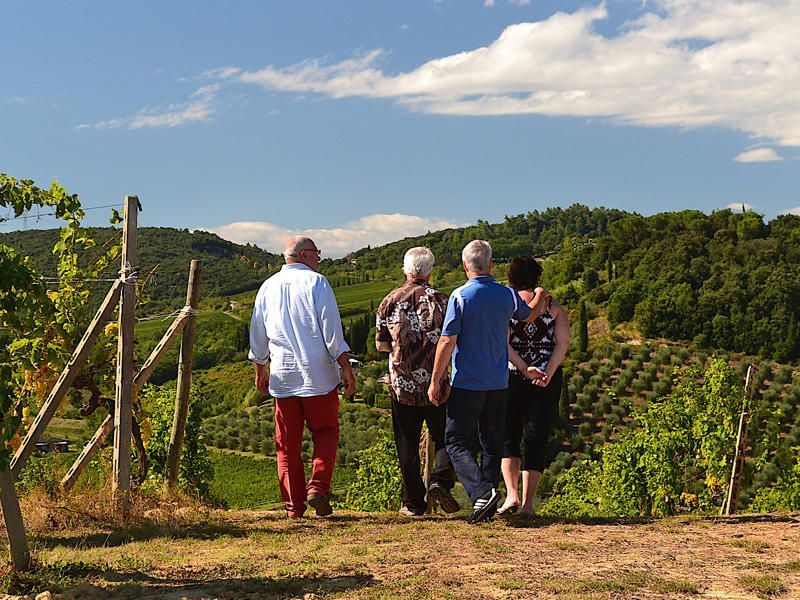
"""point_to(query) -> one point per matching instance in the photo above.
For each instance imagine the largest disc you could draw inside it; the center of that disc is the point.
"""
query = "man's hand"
(349, 381)
(539, 304)
(435, 393)
(262, 379)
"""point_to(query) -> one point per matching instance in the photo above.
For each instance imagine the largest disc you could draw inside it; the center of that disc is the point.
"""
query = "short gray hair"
(418, 261)
(477, 255)
(296, 244)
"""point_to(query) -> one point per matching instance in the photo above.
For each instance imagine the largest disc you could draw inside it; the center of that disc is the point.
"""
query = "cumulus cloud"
(794, 211)
(740, 207)
(758, 155)
(684, 63)
(372, 230)
(198, 107)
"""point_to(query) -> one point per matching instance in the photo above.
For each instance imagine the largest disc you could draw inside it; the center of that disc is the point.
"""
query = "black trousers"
(475, 422)
(407, 422)
(530, 414)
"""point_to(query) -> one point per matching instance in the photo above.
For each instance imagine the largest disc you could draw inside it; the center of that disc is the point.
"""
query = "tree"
(583, 328)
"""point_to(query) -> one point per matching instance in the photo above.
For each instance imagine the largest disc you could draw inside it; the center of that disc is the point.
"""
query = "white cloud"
(685, 63)
(740, 207)
(758, 155)
(373, 230)
(198, 107)
(794, 211)
(488, 3)
(220, 73)
(17, 100)
(520, 2)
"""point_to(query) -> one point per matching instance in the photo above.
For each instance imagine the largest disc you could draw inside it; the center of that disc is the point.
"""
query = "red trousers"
(321, 413)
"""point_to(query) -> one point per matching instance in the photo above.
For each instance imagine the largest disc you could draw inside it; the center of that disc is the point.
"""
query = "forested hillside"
(535, 233)
(724, 280)
(228, 268)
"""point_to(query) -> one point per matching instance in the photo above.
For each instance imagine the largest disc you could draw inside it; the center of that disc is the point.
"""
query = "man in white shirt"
(297, 347)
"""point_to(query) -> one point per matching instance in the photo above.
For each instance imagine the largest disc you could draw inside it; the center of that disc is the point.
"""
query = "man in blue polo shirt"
(475, 334)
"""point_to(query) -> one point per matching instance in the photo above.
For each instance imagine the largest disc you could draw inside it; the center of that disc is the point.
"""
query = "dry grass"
(186, 551)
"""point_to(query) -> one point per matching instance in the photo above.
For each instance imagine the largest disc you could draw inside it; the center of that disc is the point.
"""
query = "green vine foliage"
(676, 459)
(196, 470)
(376, 485)
(39, 328)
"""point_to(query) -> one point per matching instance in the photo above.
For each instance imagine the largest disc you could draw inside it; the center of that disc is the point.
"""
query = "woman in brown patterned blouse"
(532, 402)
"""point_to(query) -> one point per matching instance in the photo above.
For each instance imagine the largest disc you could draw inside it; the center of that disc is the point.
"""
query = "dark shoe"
(445, 499)
(407, 511)
(320, 503)
(484, 507)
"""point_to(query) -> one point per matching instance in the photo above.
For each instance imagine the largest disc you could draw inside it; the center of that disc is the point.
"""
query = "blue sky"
(364, 122)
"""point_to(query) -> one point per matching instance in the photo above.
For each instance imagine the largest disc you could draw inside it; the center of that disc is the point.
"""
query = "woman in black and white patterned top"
(532, 396)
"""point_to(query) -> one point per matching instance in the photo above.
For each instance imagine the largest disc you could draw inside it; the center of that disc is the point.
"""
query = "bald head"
(301, 249)
(296, 244)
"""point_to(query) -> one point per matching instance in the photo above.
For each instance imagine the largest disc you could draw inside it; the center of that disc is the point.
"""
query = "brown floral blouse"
(410, 318)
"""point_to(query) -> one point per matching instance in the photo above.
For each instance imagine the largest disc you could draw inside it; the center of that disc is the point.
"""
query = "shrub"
(377, 481)
(196, 471)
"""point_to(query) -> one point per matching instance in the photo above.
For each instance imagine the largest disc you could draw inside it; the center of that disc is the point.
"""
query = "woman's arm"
(563, 335)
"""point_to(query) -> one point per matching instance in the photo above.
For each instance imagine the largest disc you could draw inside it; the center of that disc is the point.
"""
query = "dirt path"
(246, 554)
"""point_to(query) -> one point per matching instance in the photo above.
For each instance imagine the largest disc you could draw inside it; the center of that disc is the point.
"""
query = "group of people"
(482, 370)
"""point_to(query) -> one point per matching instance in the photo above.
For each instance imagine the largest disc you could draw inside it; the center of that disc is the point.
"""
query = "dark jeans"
(407, 423)
(530, 415)
(474, 417)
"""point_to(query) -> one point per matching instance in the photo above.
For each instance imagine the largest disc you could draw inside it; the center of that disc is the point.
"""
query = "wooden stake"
(15, 528)
(732, 499)
(429, 458)
(184, 376)
(121, 484)
(98, 439)
(66, 379)
(160, 350)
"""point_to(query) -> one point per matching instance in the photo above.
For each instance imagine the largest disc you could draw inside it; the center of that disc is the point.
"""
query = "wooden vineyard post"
(15, 528)
(184, 376)
(732, 499)
(65, 380)
(121, 484)
(429, 457)
(98, 439)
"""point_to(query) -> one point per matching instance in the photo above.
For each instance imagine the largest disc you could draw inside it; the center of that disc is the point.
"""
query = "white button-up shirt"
(296, 327)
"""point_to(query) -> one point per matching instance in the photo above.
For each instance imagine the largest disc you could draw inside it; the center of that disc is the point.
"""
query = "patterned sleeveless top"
(535, 341)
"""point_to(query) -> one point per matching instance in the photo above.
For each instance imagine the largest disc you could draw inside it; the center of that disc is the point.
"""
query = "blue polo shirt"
(479, 313)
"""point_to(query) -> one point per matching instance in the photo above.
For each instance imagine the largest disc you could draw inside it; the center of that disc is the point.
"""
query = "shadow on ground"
(142, 586)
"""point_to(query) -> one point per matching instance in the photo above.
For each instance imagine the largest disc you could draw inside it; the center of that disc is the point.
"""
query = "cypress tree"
(583, 329)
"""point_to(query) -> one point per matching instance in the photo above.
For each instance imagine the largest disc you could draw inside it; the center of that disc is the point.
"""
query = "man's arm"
(259, 344)
(330, 323)
(383, 337)
(348, 378)
(262, 378)
(444, 352)
(541, 299)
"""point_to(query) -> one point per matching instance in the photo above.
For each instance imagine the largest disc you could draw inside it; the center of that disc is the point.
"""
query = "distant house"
(52, 446)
